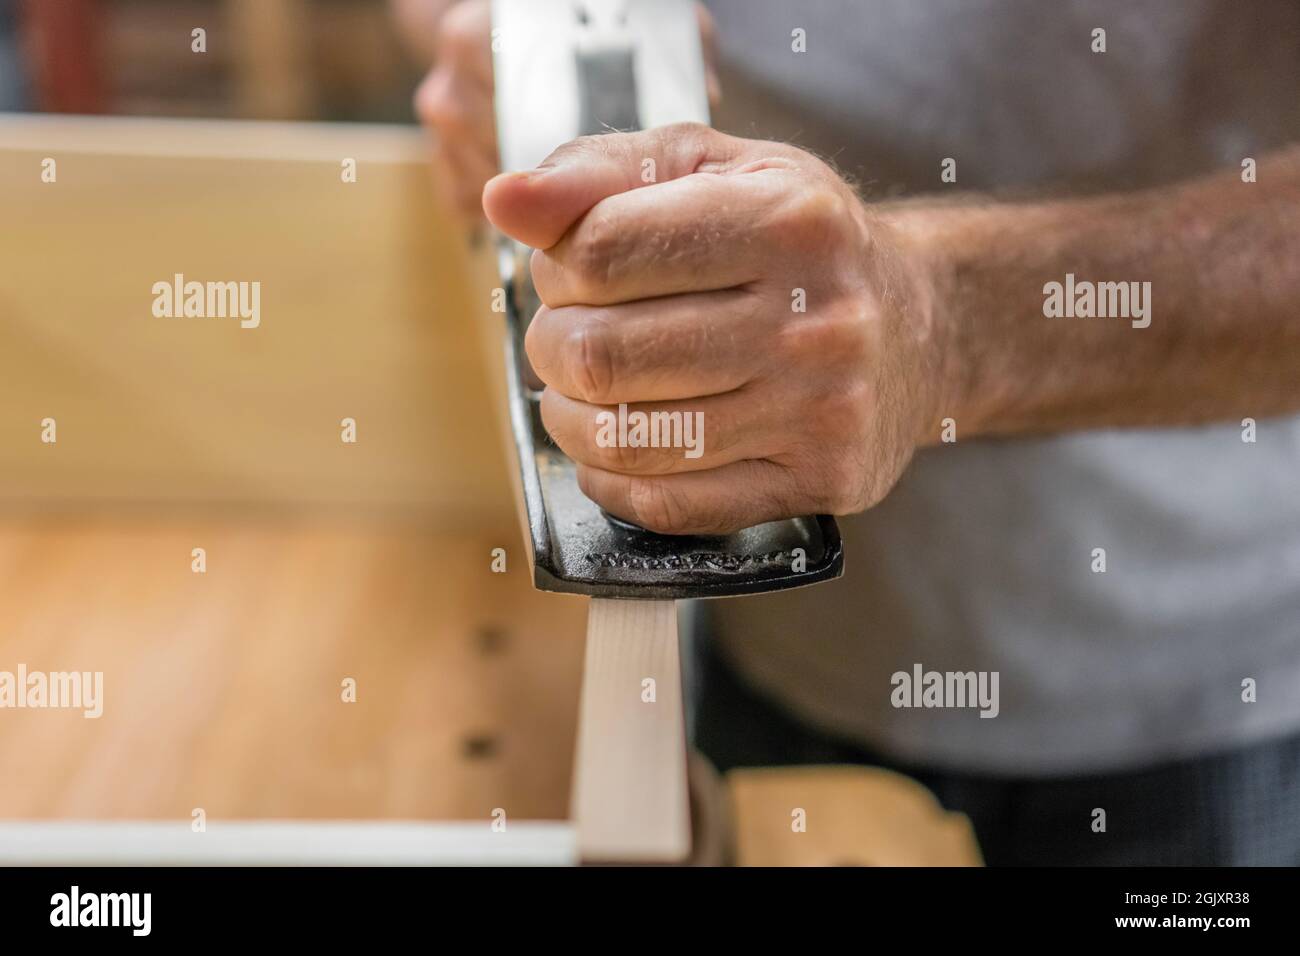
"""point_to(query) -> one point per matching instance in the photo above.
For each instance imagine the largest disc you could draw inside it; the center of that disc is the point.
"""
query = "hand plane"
(563, 69)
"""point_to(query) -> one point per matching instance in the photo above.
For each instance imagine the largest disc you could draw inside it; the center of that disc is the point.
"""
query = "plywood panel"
(369, 298)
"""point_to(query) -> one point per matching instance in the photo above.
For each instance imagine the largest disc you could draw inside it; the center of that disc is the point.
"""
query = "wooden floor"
(222, 690)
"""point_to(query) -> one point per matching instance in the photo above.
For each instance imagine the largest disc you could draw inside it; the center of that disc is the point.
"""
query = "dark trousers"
(1238, 807)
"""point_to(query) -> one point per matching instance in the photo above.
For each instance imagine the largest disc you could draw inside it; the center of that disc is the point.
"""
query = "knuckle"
(841, 423)
(844, 407)
(849, 329)
(544, 271)
(656, 505)
(630, 459)
(840, 333)
(820, 338)
(689, 128)
(591, 256)
(858, 398)
(849, 503)
(556, 424)
(809, 215)
(576, 148)
(434, 103)
(689, 132)
(824, 411)
(589, 362)
(619, 457)
(425, 96)
(689, 143)
(537, 341)
(841, 487)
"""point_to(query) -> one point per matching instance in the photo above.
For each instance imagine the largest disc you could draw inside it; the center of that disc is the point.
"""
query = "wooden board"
(843, 816)
(630, 798)
(370, 298)
(222, 690)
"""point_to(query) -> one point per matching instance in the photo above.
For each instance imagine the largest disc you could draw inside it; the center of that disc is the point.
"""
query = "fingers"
(680, 347)
(418, 24)
(709, 45)
(701, 232)
(659, 438)
(538, 206)
(465, 40)
(455, 101)
(718, 501)
(459, 113)
(457, 108)
(463, 169)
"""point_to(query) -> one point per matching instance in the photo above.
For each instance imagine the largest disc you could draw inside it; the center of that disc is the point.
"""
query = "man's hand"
(455, 99)
(745, 281)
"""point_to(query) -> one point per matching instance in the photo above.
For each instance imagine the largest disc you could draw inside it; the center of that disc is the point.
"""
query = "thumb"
(538, 206)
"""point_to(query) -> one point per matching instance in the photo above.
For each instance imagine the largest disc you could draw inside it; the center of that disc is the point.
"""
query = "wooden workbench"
(222, 690)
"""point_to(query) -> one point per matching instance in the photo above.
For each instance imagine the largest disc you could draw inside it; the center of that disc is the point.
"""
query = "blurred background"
(266, 59)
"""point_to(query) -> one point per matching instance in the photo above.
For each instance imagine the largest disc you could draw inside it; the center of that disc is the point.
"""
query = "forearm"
(1222, 259)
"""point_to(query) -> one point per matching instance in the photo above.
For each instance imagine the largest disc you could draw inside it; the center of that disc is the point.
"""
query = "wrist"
(948, 248)
(940, 387)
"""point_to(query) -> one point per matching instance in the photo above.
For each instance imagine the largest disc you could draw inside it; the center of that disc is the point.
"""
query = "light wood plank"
(222, 690)
(630, 799)
(370, 300)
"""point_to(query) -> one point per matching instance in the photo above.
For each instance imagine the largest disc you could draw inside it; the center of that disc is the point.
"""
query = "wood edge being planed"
(630, 797)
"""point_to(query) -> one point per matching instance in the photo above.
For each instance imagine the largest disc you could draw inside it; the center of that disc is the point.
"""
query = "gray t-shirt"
(982, 559)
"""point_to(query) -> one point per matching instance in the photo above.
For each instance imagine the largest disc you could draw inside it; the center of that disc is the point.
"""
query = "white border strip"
(286, 843)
